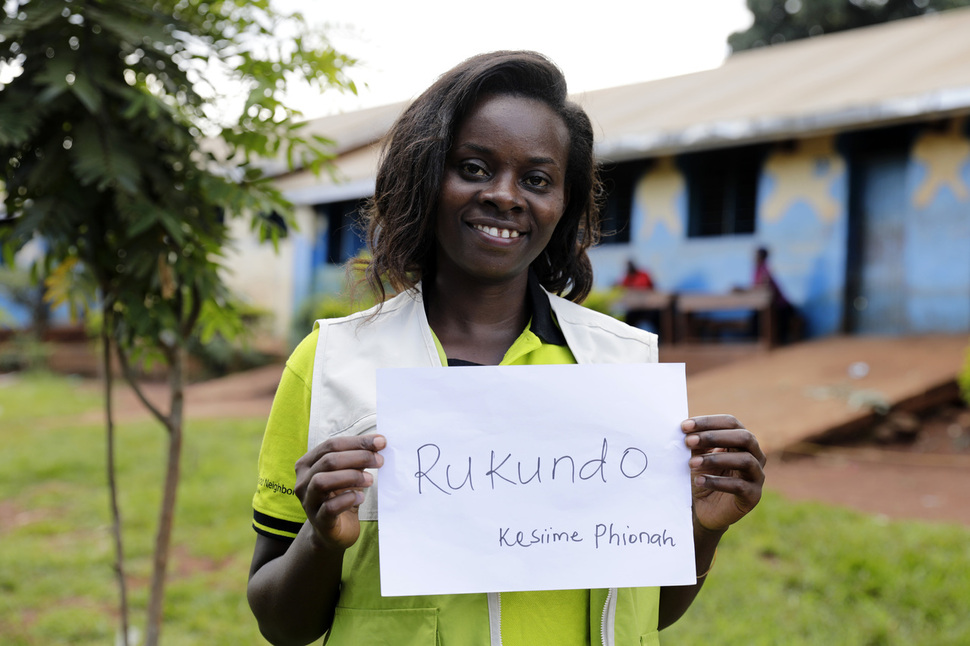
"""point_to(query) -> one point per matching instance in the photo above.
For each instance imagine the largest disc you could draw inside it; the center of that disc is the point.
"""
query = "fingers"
(326, 516)
(331, 493)
(725, 457)
(740, 494)
(339, 454)
(710, 422)
(327, 473)
(368, 443)
(727, 471)
(719, 433)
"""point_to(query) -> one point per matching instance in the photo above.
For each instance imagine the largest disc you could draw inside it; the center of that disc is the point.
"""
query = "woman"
(484, 207)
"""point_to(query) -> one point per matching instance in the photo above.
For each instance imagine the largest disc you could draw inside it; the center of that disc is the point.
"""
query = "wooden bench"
(755, 300)
(647, 300)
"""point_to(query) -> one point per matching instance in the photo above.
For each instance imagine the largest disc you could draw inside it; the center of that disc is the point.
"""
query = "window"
(618, 184)
(277, 221)
(722, 191)
(340, 237)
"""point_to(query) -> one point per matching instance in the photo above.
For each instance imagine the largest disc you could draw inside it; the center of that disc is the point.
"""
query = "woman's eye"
(471, 168)
(537, 181)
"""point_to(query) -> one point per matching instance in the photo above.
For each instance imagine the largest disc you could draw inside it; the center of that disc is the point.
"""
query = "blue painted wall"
(937, 234)
(805, 208)
(803, 217)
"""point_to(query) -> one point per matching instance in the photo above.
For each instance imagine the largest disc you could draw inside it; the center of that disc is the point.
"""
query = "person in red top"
(636, 278)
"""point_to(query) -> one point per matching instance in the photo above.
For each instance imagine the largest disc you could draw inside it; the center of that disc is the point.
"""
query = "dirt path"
(925, 478)
(894, 490)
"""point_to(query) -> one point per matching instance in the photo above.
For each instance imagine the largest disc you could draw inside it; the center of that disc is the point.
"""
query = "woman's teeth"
(496, 232)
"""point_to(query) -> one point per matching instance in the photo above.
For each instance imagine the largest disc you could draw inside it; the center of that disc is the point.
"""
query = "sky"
(403, 45)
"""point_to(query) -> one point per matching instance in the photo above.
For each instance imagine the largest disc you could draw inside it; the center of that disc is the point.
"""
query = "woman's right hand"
(330, 483)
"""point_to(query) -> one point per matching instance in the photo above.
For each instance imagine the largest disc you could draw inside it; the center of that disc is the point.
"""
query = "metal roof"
(914, 69)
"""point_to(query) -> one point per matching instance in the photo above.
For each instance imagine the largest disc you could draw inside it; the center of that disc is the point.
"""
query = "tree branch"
(133, 382)
(113, 484)
(193, 316)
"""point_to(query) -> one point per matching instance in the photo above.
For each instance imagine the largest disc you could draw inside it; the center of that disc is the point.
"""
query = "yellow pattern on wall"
(805, 173)
(657, 193)
(944, 154)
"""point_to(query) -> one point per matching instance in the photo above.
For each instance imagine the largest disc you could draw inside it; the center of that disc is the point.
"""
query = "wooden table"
(755, 300)
(639, 300)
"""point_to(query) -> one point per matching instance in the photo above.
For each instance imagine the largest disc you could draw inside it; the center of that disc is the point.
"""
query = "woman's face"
(503, 190)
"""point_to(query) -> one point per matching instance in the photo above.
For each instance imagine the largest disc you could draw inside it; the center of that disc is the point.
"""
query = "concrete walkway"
(821, 387)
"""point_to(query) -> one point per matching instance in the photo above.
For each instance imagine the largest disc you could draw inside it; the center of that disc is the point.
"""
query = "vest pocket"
(397, 626)
(650, 639)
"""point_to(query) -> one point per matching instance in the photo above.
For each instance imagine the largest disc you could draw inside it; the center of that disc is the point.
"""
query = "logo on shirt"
(274, 487)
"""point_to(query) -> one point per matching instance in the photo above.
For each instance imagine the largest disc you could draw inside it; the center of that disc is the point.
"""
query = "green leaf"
(55, 73)
(135, 184)
(17, 123)
(50, 93)
(38, 15)
(101, 159)
(172, 226)
(144, 30)
(87, 94)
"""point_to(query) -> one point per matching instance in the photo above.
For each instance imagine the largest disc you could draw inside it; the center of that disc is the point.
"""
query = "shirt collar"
(543, 324)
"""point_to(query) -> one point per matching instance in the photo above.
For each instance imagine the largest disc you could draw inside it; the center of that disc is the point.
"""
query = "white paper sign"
(533, 478)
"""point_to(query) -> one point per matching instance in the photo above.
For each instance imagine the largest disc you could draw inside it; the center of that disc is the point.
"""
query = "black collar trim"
(543, 324)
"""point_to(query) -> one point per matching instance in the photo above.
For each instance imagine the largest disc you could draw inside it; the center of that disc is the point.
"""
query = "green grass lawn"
(57, 585)
(791, 573)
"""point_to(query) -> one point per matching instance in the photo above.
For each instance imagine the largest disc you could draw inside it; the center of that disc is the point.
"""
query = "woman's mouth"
(496, 232)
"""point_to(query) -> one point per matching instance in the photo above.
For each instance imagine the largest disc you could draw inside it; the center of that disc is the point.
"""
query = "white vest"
(344, 390)
(350, 349)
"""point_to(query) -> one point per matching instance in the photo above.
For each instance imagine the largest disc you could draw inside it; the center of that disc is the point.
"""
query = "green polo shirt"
(528, 618)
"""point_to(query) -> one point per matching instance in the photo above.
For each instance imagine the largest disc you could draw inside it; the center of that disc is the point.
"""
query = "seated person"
(782, 309)
(636, 278)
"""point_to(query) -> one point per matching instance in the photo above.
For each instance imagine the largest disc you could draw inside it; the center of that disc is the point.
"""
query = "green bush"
(327, 306)
(604, 300)
(19, 287)
(222, 351)
(23, 352)
(220, 356)
(221, 344)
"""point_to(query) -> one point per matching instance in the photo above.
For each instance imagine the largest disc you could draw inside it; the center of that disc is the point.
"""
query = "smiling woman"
(502, 197)
(484, 209)
(421, 150)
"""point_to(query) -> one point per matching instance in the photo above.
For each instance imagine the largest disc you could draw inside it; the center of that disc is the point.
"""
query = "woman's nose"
(503, 193)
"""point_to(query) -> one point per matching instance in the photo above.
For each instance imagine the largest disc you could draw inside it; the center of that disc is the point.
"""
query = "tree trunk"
(113, 485)
(167, 513)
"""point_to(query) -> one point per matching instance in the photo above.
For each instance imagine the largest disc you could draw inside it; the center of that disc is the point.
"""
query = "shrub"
(327, 306)
(604, 300)
(224, 351)
(22, 352)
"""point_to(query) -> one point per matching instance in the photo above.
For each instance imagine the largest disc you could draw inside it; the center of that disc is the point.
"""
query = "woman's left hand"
(727, 470)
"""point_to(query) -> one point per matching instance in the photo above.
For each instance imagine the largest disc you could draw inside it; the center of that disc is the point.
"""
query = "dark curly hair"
(401, 215)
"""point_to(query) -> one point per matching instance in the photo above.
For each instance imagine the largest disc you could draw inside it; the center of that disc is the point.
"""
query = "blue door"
(881, 301)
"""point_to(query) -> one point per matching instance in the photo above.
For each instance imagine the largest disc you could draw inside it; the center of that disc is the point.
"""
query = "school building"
(846, 155)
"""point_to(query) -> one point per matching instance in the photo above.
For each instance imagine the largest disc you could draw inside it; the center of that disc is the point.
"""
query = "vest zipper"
(609, 617)
(494, 618)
